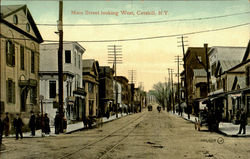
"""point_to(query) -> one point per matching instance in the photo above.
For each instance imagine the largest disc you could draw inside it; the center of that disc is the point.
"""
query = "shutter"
(14, 92)
(247, 76)
(13, 54)
(7, 91)
(6, 49)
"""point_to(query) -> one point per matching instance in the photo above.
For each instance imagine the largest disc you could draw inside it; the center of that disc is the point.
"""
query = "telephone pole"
(60, 62)
(178, 60)
(172, 83)
(185, 73)
(132, 75)
(115, 57)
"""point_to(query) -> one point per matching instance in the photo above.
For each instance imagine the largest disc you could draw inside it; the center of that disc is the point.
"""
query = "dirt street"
(149, 135)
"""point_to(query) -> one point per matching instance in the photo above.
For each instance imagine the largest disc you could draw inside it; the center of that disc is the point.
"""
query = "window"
(67, 56)
(52, 89)
(32, 62)
(91, 105)
(79, 61)
(28, 27)
(10, 91)
(90, 87)
(15, 19)
(33, 95)
(10, 53)
(213, 69)
(22, 57)
(75, 59)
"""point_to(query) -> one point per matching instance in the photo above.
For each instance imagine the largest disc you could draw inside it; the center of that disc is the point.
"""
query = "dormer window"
(15, 19)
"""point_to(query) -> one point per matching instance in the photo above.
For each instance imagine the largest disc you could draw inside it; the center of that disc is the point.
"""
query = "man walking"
(18, 124)
(32, 124)
(243, 122)
(6, 122)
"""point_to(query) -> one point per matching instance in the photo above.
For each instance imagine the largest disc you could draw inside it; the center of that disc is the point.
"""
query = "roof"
(88, 64)
(227, 53)
(199, 72)
(8, 10)
(226, 65)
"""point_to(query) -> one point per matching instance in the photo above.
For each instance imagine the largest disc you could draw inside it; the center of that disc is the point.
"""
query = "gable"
(19, 18)
(246, 55)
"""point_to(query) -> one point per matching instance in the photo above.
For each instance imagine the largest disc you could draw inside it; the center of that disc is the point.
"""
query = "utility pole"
(115, 57)
(132, 77)
(207, 69)
(172, 83)
(178, 86)
(169, 95)
(185, 74)
(60, 63)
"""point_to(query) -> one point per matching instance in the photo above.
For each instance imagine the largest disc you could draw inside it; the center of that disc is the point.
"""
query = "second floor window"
(22, 57)
(67, 56)
(90, 87)
(10, 53)
(32, 62)
(52, 89)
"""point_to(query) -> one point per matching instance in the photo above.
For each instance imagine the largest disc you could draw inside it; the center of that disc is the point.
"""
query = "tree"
(160, 92)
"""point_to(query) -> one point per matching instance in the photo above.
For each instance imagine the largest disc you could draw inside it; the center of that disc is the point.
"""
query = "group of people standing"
(39, 122)
(35, 123)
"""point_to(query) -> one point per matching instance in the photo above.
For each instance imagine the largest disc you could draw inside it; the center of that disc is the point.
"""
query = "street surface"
(149, 135)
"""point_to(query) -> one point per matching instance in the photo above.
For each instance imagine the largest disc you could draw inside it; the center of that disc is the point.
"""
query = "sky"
(150, 58)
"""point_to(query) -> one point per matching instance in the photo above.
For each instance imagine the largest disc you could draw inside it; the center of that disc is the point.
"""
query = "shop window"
(33, 95)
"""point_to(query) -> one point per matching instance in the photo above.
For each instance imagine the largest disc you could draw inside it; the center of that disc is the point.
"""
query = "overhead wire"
(145, 38)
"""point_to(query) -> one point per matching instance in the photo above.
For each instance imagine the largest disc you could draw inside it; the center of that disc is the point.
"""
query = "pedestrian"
(18, 124)
(1, 130)
(57, 123)
(32, 124)
(243, 122)
(46, 124)
(6, 122)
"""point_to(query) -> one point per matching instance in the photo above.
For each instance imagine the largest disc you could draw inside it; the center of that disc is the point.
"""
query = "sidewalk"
(70, 128)
(227, 129)
(230, 129)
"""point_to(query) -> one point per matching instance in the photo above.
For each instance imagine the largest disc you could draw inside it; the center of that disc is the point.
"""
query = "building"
(106, 95)
(19, 61)
(235, 84)
(73, 94)
(195, 59)
(124, 91)
(221, 60)
(117, 91)
(199, 89)
(90, 84)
